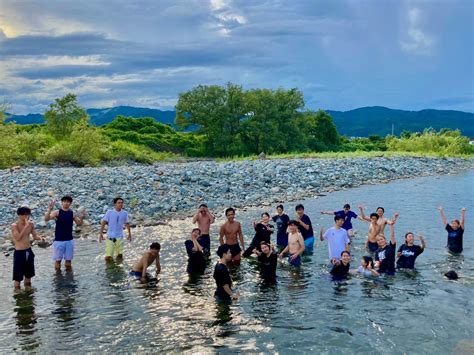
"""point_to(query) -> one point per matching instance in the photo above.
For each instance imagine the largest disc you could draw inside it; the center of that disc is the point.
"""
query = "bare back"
(146, 260)
(231, 231)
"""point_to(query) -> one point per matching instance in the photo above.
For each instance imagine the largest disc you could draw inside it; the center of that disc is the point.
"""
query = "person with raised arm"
(385, 254)
(382, 221)
(263, 232)
(23, 257)
(408, 252)
(268, 262)
(348, 215)
(455, 231)
(196, 258)
(63, 245)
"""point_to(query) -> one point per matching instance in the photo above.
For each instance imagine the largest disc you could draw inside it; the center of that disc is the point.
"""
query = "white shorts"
(63, 250)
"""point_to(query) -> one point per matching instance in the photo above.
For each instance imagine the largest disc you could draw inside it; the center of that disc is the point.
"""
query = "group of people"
(294, 238)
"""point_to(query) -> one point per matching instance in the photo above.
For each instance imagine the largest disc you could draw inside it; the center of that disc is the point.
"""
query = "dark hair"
(117, 199)
(347, 206)
(406, 235)
(223, 249)
(155, 246)
(280, 206)
(66, 198)
(374, 215)
(230, 209)
(452, 275)
(196, 229)
(299, 207)
(338, 217)
(368, 260)
(457, 221)
(293, 223)
(266, 243)
(381, 208)
(202, 205)
(345, 252)
(23, 211)
(265, 214)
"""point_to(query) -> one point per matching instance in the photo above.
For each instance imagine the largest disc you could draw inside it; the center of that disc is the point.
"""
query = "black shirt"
(222, 277)
(196, 260)
(268, 267)
(306, 233)
(262, 234)
(454, 239)
(282, 226)
(339, 271)
(409, 254)
(386, 256)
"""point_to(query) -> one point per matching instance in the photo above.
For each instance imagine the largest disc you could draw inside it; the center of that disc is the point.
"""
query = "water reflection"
(65, 288)
(26, 319)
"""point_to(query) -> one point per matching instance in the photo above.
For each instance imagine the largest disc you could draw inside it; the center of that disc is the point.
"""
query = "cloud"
(414, 39)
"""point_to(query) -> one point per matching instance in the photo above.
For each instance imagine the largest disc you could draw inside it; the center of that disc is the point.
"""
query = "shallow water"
(97, 308)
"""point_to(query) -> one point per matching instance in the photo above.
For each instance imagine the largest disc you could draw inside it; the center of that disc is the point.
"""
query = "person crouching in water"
(222, 276)
(23, 257)
(268, 262)
(140, 267)
(296, 244)
(341, 267)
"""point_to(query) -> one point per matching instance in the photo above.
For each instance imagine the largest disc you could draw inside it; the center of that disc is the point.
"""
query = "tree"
(63, 115)
(4, 107)
(322, 131)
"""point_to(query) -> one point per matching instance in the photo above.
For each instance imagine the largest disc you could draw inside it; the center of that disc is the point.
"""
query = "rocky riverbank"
(164, 191)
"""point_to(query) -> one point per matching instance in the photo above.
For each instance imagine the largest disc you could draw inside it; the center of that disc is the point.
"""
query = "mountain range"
(360, 122)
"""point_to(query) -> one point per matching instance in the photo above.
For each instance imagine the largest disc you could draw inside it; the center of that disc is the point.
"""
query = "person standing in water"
(341, 268)
(116, 219)
(281, 219)
(385, 254)
(338, 240)
(204, 219)
(230, 234)
(348, 215)
(268, 262)
(371, 244)
(455, 231)
(305, 227)
(196, 258)
(63, 245)
(263, 232)
(295, 246)
(23, 257)
(222, 276)
(140, 267)
(382, 221)
(408, 252)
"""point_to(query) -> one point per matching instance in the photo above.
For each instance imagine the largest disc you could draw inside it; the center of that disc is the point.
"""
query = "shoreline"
(155, 194)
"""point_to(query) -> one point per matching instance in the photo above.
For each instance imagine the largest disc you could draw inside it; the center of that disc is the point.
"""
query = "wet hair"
(155, 246)
(265, 214)
(196, 229)
(406, 235)
(299, 207)
(368, 260)
(202, 205)
(230, 209)
(345, 252)
(280, 206)
(347, 206)
(374, 215)
(66, 198)
(338, 217)
(23, 211)
(293, 223)
(452, 275)
(117, 199)
(381, 208)
(223, 249)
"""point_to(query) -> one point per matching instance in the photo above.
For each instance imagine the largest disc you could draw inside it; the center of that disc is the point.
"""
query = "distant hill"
(360, 122)
(101, 116)
(366, 121)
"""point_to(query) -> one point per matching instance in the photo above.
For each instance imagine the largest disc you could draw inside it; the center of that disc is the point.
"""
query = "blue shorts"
(308, 244)
(63, 250)
(138, 275)
(296, 262)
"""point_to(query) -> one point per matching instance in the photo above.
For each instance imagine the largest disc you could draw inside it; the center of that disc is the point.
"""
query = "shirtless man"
(374, 229)
(140, 267)
(204, 219)
(23, 258)
(382, 221)
(232, 231)
(295, 245)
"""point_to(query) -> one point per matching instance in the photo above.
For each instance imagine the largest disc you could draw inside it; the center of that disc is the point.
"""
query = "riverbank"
(155, 193)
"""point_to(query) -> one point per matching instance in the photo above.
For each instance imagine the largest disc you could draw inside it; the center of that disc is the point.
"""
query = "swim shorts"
(63, 250)
(372, 247)
(308, 244)
(23, 264)
(296, 262)
(235, 249)
(114, 245)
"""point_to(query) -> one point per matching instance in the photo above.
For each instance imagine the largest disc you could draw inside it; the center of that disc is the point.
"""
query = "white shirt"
(115, 220)
(337, 240)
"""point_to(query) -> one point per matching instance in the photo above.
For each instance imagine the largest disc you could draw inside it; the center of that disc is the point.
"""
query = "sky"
(341, 54)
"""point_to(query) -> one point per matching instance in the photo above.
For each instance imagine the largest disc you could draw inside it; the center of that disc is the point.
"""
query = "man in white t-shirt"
(338, 239)
(116, 219)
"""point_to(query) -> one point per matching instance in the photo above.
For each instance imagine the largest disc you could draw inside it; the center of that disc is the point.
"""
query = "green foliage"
(125, 151)
(63, 115)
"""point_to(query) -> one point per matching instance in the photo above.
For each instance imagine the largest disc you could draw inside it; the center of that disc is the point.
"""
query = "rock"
(262, 156)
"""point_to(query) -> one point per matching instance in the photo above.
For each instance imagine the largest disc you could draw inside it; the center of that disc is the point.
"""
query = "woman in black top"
(263, 231)
(385, 254)
(222, 275)
(408, 252)
(455, 231)
(268, 262)
(341, 267)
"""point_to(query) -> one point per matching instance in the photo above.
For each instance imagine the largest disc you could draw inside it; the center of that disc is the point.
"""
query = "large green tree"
(63, 115)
